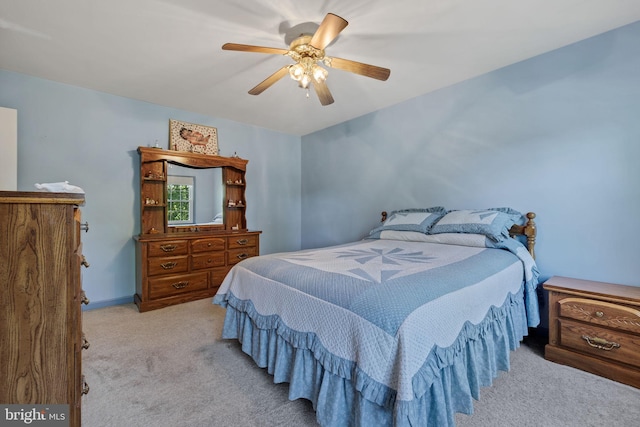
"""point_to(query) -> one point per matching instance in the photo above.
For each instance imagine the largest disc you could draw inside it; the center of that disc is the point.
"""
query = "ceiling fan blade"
(266, 83)
(328, 30)
(250, 48)
(322, 90)
(360, 68)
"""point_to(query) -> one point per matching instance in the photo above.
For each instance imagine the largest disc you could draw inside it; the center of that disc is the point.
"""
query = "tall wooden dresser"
(41, 338)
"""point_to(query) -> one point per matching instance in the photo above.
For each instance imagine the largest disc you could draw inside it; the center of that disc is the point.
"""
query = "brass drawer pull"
(85, 386)
(85, 343)
(600, 343)
(83, 299)
(242, 241)
(168, 265)
(180, 285)
(85, 227)
(168, 248)
(243, 256)
(84, 262)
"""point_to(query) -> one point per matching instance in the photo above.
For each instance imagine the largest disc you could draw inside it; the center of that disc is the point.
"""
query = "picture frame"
(193, 138)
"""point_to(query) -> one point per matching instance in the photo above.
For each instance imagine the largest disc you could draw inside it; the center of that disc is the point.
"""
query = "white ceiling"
(168, 52)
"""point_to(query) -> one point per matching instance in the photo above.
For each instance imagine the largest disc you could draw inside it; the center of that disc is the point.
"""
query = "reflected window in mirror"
(180, 200)
(206, 198)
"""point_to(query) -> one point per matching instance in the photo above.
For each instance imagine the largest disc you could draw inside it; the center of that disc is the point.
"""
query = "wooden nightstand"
(595, 327)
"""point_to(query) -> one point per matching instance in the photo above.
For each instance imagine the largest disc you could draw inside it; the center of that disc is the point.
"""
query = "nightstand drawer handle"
(599, 313)
(84, 262)
(168, 265)
(600, 343)
(83, 298)
(168, 248)
(242, 241)
(243, 256)
(180, 285)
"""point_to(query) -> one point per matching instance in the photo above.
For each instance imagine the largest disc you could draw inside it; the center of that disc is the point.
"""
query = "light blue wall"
(90, 139)
(558, 134)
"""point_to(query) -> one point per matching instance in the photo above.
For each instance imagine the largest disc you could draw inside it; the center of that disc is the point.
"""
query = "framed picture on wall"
(193, 138)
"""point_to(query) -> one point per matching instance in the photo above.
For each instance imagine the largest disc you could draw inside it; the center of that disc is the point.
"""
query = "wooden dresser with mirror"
(193, 225)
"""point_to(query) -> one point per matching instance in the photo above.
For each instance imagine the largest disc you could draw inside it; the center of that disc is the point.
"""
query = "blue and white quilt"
(378, 313)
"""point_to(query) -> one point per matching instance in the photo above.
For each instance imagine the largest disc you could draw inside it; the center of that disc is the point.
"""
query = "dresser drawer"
(206, 245)
(242, 241)
(174, 285)
(164, 248)
(167, 265)
(601, 313)
(601, 342)
(237, 255)
(218, 275)
(215, 259)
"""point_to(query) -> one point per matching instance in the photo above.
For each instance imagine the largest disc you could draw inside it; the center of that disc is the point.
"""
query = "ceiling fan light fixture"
(319, 73)
(307, 71)
(296, 72)
(304, 81)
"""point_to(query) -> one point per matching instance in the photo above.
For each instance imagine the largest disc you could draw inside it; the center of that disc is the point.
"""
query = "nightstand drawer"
(601, 342)
(601, 313)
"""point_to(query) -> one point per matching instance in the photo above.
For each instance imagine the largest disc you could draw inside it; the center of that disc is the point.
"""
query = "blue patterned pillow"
(492, 223)
(419, 220)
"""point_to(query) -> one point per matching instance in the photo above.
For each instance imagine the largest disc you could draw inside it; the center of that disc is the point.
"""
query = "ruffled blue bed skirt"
(343, 395)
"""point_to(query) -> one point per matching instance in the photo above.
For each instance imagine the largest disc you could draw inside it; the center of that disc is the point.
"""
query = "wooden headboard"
(528, 229)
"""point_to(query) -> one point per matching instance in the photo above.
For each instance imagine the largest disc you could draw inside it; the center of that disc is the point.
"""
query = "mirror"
(194, 196)
(212, 178)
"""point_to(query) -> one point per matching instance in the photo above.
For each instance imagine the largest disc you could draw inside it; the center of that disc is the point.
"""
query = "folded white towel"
(59, 187)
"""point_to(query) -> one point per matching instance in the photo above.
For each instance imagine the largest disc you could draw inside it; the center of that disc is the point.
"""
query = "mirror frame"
(153, 189)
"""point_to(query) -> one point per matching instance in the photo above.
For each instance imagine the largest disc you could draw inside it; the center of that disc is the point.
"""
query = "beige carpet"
(170, 368)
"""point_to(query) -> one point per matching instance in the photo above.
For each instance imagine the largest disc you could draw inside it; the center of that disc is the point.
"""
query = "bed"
(401, 328)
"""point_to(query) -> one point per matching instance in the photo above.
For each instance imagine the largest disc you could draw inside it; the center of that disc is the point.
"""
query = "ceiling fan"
(308, 53)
